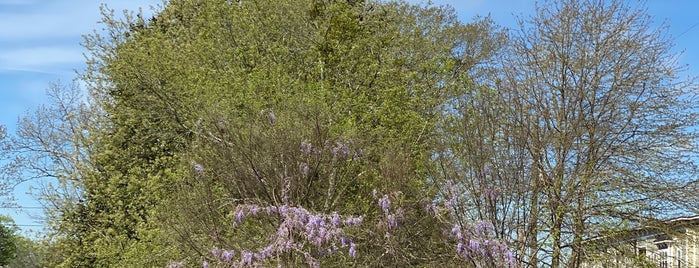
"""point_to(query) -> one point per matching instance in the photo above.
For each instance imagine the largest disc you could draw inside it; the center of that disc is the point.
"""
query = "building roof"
(665, 228)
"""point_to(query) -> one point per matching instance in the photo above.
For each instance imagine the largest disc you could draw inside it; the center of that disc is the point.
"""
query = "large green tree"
(206, 104)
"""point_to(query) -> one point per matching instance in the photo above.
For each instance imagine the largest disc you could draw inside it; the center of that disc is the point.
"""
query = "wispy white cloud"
(41, 58)
(45, 36)
(23, 27)
(55, 19)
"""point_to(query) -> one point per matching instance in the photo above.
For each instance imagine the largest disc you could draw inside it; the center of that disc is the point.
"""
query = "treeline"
(360, 133)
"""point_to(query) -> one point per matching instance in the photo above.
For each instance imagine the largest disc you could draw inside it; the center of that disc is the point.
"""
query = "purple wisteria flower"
(336, 219)
(392, 217)
(304, 169)
(299, 231)
(476, 242)
(317, 235)
(482, 228)
(198, 170)
(271, 117)
(247, 258)
(269, 114)
(306, 147)
(227, 255)
(353, 250)
(385, 203)
(474, 245)
(432, 209)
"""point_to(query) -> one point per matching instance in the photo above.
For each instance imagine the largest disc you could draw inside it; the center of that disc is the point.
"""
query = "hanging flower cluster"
(475, 242)
(299, 231)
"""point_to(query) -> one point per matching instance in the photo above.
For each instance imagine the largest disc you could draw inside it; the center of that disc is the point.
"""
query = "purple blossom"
(474, 245)
(247, 258)
(239, 216)
(205, 264)
(353, 221)
(282, 231)
(312, 262)
(482, 227)
(345, 151)
(509, 257)
(302, 231)
(353, 250)
(254, 211)
(335, 150)
(198, 168)
(432, 209)
(306, 147)
(341, 150)
(391, 220)
(304, 169)
(322, 232)
(385, 203)
(477, 245)
(267, 251)
(288, 245)
(298, 229)
(335, 219)
(456, 229)
(451, 203)
(271, 117)
(227, 255)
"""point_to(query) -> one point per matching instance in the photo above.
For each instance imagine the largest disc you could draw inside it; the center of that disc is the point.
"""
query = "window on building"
(642, 252)
(679, 258)
(662, 258)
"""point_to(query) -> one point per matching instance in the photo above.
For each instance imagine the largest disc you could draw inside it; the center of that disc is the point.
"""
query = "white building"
(672, 244)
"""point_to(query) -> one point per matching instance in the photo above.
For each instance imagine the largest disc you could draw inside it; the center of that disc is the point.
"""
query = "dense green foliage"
(8, 240)
(30, 253)
(235, 89)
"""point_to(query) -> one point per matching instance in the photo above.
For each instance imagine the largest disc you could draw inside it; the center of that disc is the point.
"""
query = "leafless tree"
(585, 130)
(52, 145)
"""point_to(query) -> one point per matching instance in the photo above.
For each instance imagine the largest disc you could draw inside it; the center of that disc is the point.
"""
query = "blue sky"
(40, 43)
